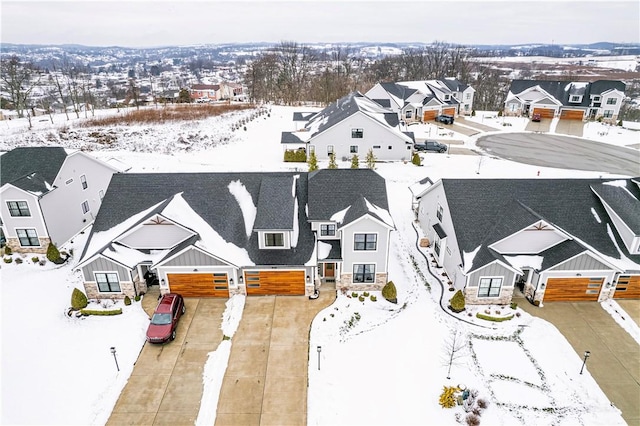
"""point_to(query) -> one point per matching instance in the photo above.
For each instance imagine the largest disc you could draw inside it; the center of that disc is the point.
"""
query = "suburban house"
(567, 100)
(422, 101)
(352, 125)
(216, 92)
(220, 234)
(551, 239)
(49, 195)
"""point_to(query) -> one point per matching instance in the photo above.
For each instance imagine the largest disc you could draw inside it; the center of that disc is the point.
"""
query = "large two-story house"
(555, 239)
(220, 234)
(49, 195)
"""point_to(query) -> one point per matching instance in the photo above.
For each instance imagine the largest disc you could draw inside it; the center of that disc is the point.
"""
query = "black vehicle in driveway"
(430, 145)
(445, 118)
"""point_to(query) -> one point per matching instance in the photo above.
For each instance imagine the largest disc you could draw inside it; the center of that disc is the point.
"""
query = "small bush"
(389, 292)
(127, 301)
(18, 260)
(8, 251)
(415, 159)
(373, 298)
(8, 259)
(35, 259)
(137, 298)
(457, 302)
(225, 337)
(536, 303)
(78, 300)
(472, 420)
(354, 294)
(500, 113)
(87, 312)
(361, 298)
(53, 254)
(473, 112)
(365, 294)
(494, 319)
(514, 305)
(448, 397)
(483, 403)
(295, 156)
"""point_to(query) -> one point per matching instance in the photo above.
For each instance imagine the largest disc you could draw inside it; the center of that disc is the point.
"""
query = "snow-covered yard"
(380, 363)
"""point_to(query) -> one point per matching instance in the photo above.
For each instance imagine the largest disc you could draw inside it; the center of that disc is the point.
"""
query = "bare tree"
(19, 79)
(58, 87)
(455, 348)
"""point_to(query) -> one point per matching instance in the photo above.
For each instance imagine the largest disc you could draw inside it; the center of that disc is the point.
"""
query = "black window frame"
(364, 273)
(491, 288)
(357, 133)
(83, 182)
(353, 149)
(271, 240)
(325, 229)
(18, 208)
(368, 240)
(109, 284)
(86, 208)
(31, 240)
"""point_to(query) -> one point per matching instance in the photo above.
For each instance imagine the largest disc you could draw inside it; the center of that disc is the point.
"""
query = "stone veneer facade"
(14, 245)
(471, 297)
(126, 287)
(381, 280)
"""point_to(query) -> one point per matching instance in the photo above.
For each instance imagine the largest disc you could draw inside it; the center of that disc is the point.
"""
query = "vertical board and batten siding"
(155, 236)
(583, 262)
(101, 264)
(351, 256)
(194, 258)
(492, 270)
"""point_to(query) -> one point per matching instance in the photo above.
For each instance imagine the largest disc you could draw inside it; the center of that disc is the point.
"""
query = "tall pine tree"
(355, 162)
(313, 162)
(371, 160)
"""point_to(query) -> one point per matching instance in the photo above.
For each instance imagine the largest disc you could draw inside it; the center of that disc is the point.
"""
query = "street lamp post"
(587, 354)
(113, 351)
(319, 349)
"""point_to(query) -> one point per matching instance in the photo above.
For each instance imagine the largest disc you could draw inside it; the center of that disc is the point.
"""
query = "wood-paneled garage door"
(628, 287)
(544, 112)
(274, 282)
(572, 289)
(571, 114)
(199, 285)
(449, 111)
(429, 115)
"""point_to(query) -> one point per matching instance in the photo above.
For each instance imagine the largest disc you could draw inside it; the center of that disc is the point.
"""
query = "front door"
(329, 271)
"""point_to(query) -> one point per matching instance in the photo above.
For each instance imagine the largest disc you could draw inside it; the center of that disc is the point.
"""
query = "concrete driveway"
(615, 356)
(166, 384)
(266, 379)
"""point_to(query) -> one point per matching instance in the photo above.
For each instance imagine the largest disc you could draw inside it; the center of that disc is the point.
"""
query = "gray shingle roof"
(290, 137)
(275, 204)
(398, 90)
(303, 116)
(33, 169)
(561, 90)
(622, 201)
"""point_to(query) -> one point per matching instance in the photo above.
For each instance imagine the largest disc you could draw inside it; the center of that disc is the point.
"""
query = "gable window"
(439, 212)
(18, 208)
(107, 282)
(85, 207)
(329, 149)
(83, 181)
(274, 239)
(376, 147)
(467, 96)
(28, 237)
(69, 181)
(328, 230)
(612, 101)
(489, 287)
(353, 149)
(575, 98)
(365, 241)
(364, 273)
(390, 146)
(408, 114)
(357, 133)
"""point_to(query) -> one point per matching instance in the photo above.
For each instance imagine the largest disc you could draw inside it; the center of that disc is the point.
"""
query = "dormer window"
(575, 99)
(596, 98)
(328, 230)
(447, 97)
(274, 239)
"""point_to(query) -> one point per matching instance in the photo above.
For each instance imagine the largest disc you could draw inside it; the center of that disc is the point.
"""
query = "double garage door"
(573, 289)
(572, 114)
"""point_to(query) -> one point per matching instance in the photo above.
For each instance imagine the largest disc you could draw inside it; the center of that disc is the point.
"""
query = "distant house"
(566, 100)
(422, 101)
(49, 195)
(352, 125)
(551, 239)
(220, 234)
(204, 92)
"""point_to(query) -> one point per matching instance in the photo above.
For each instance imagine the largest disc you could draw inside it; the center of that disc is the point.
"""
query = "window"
(365, 242)
(439, 212)
(18, 208)
(357, 133)
(436, 246)
(329, 149)
(274, 239)
(85, 207)
(596, 99)
(353, 149)
(83, 181)
(107, 282)
(608, 113)
(467, 96)
(376, 147)
(364, 273)
(101, 193)
(489, 287)
(612, 101)
(447, 97)
(28, 237)
(69, 181)
(328, 230)
(575, 98)
(390, 146)
(408, 114)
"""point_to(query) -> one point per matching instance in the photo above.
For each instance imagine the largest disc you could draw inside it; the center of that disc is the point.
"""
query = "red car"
(165, 318)
(536, 118)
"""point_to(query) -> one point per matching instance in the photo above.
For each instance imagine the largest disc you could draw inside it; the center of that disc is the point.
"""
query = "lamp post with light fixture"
(113, 351)
(587, 354)
(319, 349)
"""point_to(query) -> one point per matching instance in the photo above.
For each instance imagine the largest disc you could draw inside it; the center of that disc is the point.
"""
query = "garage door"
(429, 115)
(571, 114)
(572, 289)
(449, 111)
(544, 112)
(628, 287)
(274, 282)
(199, 285)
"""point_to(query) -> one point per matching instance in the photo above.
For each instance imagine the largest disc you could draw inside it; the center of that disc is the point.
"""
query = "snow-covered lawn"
(380, 363)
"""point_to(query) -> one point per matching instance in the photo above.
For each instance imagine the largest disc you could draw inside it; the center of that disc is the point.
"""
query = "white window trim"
(17, 201)
(26, 229)
(375, 270)
(262, 235)
(377, 234)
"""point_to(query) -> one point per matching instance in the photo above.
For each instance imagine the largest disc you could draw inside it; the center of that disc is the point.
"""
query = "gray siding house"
(551, 239)
(49, 195)
(220, 234)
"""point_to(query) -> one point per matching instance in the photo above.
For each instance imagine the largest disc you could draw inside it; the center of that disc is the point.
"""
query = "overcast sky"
(146, 23)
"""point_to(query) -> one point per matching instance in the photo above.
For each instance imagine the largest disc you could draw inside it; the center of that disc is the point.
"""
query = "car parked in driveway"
(165, 318)
(430, 145)
(445, 118)
(536, 118)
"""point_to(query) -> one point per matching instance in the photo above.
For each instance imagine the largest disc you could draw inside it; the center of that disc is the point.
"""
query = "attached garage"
(545, 112)
(286, 282)
(199, 285)
(429, 115)
(628, 287)
(572, 289)
(571, 114)
(449, 111)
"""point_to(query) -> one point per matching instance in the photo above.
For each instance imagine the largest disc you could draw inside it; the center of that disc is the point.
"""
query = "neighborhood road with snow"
(562, 152)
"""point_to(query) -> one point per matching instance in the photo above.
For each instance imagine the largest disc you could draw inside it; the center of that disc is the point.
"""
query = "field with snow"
(386, 365)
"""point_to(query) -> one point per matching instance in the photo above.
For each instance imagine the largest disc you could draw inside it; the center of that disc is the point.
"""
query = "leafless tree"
(455, 348)
(18, 80)
(58, 87)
